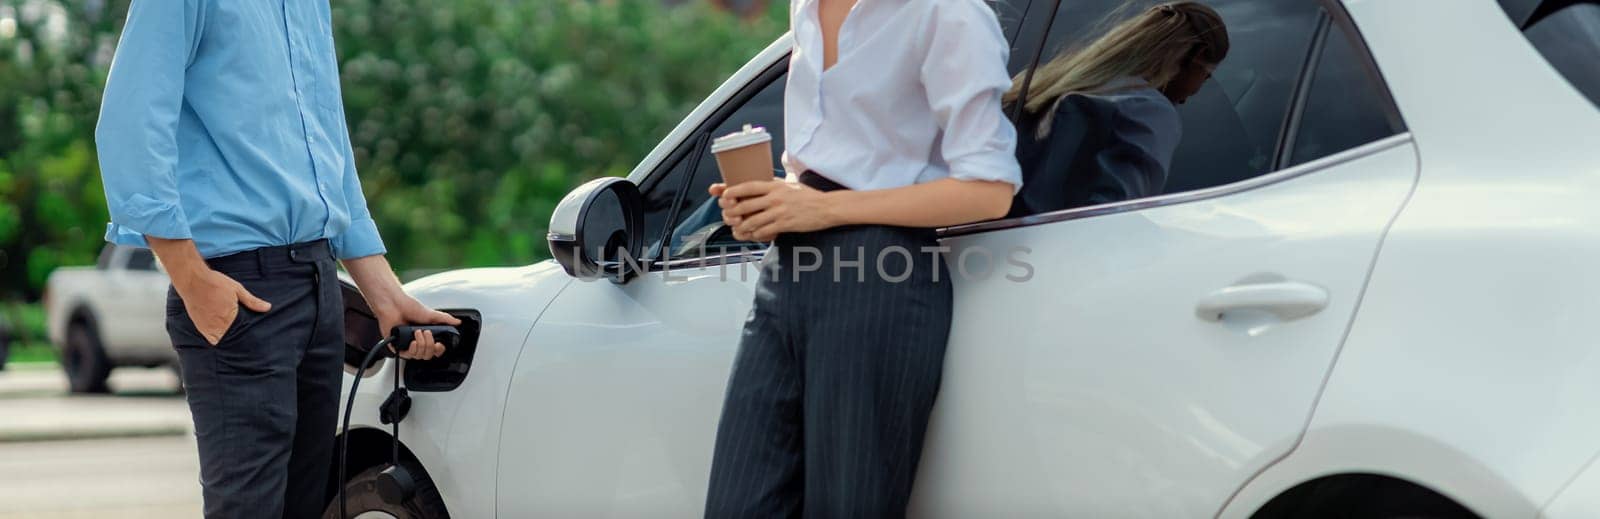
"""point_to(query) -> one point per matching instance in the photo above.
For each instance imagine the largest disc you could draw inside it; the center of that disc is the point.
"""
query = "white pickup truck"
(109, 315)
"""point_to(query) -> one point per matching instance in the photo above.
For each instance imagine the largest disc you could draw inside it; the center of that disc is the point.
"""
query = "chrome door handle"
(1288, 300)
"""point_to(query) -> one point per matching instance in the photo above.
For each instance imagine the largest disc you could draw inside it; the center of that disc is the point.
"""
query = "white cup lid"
(749, 136)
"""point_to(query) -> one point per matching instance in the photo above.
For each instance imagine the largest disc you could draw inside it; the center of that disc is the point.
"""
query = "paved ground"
(141, 466)
(130, 478)
(34, 406)
(32, 380)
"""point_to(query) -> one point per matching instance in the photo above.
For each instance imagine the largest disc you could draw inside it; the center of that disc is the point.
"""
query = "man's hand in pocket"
(212, 300)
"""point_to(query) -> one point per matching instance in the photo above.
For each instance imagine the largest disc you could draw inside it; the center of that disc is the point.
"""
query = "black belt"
(267, 259)
(818, 182)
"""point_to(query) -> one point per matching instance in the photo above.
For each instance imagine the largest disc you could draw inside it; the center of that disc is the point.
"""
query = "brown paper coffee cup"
(744, 156)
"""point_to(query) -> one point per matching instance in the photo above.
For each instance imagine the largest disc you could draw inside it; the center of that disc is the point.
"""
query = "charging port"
(443, 373)
(447, 371)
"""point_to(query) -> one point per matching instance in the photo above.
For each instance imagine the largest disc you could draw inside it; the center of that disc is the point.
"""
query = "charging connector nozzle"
(401, 336)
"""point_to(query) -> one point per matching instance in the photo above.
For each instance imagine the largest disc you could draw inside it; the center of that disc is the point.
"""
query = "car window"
(1021, 32)
(141, 259)
(663, 197)
(1010, 13)
(1346, 106)
(1520, 10)
(1080, 21)
(697, 229)
(1570, 41)
(679, 193)
(1231, 128)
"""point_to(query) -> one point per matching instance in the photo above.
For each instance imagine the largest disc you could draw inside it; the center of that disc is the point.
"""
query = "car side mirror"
(595, 230)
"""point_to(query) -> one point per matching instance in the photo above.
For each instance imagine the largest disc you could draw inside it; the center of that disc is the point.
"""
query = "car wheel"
(362, 500)
(1362, 495)
(85, 360)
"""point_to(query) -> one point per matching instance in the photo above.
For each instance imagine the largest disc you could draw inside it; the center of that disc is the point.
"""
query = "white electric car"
(1371, 291)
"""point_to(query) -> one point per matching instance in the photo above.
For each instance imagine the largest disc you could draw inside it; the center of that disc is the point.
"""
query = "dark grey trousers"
(834, 380)
(265, 399)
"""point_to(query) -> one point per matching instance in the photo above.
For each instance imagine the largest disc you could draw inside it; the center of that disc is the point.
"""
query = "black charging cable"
(395, 483)
(349, 405)
(394, 431)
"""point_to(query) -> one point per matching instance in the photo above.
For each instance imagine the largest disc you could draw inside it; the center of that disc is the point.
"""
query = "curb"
(90, 433)
(32, 366)
(38, 408)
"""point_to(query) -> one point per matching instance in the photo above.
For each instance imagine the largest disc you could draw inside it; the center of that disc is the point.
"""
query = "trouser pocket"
(183, 332)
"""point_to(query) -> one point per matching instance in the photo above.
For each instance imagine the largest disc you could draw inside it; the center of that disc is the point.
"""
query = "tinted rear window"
(1570, 41)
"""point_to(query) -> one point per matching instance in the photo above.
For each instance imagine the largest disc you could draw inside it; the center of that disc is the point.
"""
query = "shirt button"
(310, 139)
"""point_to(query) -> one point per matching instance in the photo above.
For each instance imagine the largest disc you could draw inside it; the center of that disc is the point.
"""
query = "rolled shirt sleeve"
(136, 136)
(361, 238)
(965, 75)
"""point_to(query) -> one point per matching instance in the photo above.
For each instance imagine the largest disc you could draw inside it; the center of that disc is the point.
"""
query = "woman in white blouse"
(893, 127)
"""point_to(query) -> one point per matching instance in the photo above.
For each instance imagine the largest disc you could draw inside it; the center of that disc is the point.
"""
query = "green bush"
(470, 118)
(52, 209)
(26, 326)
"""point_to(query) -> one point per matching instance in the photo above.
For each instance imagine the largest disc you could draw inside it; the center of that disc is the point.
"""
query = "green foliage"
(52, 209)
(24, 325)
(470, 118)
(31, 353)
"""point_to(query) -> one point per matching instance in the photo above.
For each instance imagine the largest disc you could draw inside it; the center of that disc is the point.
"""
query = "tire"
(84, 360)
(361, 496)
(1362, 496)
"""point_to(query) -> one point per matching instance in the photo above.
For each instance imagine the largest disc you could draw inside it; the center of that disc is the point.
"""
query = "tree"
(470, 118)
(53, 58)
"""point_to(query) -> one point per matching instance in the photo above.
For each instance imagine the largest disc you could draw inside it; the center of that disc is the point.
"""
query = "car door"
(131, 321)
(613, 406)
(148, 283)
(1146, 358)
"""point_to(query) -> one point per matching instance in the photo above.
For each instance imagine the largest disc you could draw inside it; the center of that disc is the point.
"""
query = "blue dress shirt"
(222, 122)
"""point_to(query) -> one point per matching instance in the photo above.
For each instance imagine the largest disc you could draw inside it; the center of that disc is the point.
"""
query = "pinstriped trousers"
(836, 374)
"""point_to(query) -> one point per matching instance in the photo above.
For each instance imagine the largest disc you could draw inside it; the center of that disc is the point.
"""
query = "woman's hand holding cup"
(760, 211)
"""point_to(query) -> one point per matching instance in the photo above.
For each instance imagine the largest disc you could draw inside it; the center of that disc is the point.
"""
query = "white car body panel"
(133, 320)
(464, 424)
(1093, 388)
(613, 407)
(1580, 500)
(1453, 351)
(1470, 368)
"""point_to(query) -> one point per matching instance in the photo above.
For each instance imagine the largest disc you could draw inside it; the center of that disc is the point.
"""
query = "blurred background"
(470, 120)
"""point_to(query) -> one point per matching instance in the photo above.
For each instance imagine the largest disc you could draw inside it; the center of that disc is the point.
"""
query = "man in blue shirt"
(223, 148)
